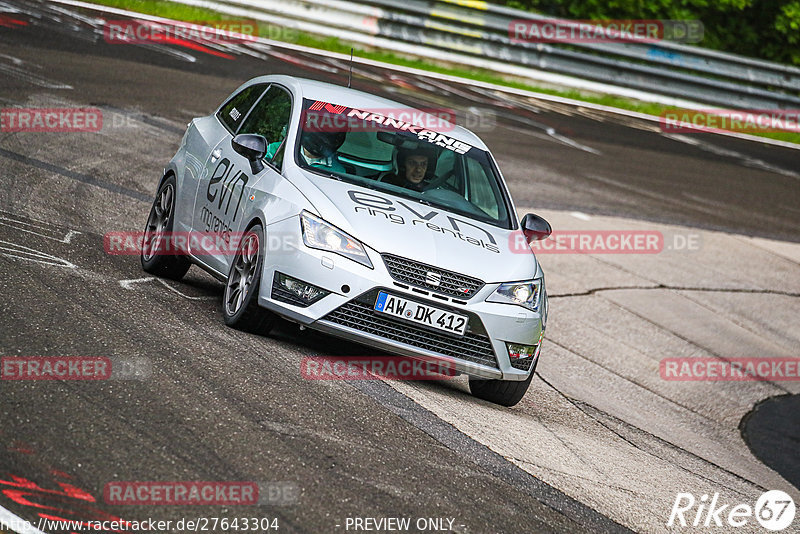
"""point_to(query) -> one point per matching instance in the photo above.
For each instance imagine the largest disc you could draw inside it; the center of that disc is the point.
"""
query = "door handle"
(215, 155)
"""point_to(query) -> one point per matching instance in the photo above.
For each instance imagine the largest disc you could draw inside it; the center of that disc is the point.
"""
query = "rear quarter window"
(235, 110)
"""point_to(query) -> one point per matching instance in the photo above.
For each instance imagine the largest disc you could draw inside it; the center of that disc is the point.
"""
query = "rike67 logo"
(774, 510)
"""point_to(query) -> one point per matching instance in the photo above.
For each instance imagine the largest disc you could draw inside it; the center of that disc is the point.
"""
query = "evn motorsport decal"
(222, 187)
(378, 205)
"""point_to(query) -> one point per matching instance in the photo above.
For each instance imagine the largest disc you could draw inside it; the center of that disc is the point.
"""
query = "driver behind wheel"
(415, 168)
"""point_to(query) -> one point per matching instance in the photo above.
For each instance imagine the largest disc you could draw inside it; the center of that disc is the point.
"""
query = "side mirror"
(535, 228)
(253, 147)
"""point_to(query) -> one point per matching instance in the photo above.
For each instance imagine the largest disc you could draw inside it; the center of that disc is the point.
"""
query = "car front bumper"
(347, 311)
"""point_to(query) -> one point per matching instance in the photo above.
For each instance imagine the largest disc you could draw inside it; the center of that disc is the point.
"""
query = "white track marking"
(14, 60)
(580, 215)
(21, 74)
(184, 295)
(180, 54)
(14, 523)
(128, 284)
(66, 239)
(550, 135)
(571, 142)
(15, 250)
(719, 151)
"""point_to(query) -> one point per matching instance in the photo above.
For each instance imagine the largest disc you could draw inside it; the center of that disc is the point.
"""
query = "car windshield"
(378, 150)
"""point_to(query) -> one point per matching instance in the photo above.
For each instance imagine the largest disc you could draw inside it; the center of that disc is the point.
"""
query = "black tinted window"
(270, 116)
(233, 113)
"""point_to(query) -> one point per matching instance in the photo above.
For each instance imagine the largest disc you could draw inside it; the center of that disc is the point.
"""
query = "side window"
(235, 110)
(481, 193)
(270, 118)
(447, 166)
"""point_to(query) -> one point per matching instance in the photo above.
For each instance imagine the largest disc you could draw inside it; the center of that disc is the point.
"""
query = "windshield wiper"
(322, 172)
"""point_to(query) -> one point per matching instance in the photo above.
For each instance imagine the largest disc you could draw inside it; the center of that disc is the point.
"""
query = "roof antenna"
(350, 76)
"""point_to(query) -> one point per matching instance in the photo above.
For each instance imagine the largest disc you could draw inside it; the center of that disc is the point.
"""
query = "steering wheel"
(440, 180)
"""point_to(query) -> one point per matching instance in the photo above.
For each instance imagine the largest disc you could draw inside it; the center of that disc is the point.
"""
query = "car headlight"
(528, 294)
(322, 236)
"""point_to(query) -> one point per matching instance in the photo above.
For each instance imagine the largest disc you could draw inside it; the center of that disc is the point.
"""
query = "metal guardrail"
(476, 29)
(694, 77)
(750, 70)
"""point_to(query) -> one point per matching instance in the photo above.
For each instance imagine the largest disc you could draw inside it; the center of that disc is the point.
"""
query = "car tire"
(502, 392)
(160, 221)
(240, 307)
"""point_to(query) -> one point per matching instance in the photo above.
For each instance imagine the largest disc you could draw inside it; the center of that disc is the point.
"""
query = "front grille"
(360, 316)
(420, 274)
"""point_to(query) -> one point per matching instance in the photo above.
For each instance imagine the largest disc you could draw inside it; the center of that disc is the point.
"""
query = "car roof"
(338, 95)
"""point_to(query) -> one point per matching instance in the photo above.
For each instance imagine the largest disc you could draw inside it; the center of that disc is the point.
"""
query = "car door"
(221, 205)
(203, 136)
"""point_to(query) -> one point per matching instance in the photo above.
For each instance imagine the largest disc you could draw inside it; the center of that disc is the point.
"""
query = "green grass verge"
(177, 11)
(169, 10)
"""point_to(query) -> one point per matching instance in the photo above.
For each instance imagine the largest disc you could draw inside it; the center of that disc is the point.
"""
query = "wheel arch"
(256, 219)
(166, 174)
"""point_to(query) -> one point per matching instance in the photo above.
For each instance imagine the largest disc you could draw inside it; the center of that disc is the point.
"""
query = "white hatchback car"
(350, 214)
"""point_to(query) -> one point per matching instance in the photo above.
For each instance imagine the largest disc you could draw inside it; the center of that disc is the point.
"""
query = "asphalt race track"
(601, 443)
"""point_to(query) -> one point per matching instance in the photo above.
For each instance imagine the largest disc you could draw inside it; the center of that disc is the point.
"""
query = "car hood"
(428, 234)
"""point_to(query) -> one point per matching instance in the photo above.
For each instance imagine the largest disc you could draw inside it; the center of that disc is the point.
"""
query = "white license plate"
(421, 313)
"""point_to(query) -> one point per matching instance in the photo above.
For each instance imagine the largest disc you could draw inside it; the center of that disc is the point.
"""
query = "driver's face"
(415, 168)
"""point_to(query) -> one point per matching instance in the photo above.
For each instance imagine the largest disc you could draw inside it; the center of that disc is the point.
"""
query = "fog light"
(522, 356)
(294, 291)
(516, 352)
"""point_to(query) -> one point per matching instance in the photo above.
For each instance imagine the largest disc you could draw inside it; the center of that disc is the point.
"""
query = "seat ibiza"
(359, 217)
